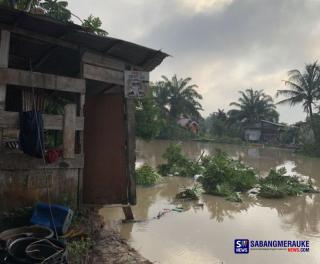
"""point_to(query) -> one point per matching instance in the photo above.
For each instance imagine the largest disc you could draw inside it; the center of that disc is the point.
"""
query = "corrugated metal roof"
(129, 52)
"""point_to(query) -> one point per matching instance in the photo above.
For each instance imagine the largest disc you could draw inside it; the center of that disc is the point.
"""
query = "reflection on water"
(206, 234)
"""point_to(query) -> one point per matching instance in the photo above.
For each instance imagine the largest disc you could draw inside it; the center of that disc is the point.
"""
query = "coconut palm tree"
(253, 106)
(177, 97)
(304, 88)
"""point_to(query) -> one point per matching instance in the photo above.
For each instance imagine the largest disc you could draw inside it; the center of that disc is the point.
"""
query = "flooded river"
(206, 234)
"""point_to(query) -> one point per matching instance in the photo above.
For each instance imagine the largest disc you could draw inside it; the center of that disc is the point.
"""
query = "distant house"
(189, 124)
(263, 131)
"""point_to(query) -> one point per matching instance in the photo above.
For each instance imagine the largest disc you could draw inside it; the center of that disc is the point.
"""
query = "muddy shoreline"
(109, 247)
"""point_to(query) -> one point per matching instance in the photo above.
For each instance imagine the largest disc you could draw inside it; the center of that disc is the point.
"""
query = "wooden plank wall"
(100, 68)
(51, 122)
(41, 80)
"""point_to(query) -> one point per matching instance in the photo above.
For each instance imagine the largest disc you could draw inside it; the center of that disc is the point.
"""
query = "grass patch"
(146, 175)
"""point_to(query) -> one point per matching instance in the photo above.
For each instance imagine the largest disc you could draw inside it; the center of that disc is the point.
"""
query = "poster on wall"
(136, 84)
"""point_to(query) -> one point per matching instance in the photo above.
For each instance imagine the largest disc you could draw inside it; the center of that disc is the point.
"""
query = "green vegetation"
(178, 164)
(94, 23)
(192, 193)
(254, 106)
(278, 185)
(304, 88)
(149, 121)
(145, 175)
(223, 176)
(57, 10)
(158, 114)
(78, 250)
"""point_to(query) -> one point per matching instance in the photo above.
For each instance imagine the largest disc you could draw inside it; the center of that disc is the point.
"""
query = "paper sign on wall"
(136, 83)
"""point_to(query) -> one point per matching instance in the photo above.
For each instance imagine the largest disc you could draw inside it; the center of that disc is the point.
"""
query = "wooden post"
(131, 149)
(69, 131)
(4, 61)
(81, 138)
(128, 212)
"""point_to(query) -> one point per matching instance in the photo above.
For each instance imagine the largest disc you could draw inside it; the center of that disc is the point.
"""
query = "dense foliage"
(157, 116)
(224, 175)
(254, 106)
(278, 185)
(149, 121)
(146, 175)
(57, 10)
(177, 163)
(192, 193)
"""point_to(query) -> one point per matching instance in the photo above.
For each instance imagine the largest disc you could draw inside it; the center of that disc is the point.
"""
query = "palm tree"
(177, 97)
(254, 106)
(304, 87)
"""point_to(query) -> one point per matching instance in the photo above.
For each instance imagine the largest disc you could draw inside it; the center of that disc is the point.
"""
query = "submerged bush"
(146, 175)
(177, 163)
(224, 176)
(192, 193)
(278, 185)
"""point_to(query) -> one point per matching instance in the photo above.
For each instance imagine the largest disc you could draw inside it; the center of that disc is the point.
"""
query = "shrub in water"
(177, 163)
(192, 193)
(278, 185)
(224, 176)
(146, 175)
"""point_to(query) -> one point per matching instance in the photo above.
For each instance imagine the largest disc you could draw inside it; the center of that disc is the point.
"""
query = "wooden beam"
(51, 122)
(97, 59)
(4, 48)
(18, 161)
(69, 130)
(39, 37)
(41, 80)
(103, 74)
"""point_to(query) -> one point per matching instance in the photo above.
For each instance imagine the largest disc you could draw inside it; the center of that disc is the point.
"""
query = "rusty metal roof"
(129, 52)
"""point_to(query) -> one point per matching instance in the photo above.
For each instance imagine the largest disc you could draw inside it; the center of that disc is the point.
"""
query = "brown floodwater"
(206, 234)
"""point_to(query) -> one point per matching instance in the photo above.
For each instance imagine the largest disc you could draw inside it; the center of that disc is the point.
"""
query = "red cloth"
(53, 155)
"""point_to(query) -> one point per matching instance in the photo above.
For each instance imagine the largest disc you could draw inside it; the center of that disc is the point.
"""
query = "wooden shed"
(263, 131)
(43, 57)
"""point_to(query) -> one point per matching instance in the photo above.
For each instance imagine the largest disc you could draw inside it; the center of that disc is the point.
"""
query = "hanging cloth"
(31, 133)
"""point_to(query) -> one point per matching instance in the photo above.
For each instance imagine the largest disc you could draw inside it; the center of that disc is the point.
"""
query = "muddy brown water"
(206, 234)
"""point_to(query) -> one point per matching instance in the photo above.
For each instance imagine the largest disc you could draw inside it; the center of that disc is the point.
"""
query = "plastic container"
(60, 219)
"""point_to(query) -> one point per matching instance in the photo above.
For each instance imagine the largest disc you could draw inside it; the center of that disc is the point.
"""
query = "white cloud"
(224, 45)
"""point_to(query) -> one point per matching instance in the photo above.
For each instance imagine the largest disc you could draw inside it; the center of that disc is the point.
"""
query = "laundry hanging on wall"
(31, 133)
(31, 137)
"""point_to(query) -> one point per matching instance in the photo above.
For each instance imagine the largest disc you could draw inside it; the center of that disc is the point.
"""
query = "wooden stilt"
(128, 213)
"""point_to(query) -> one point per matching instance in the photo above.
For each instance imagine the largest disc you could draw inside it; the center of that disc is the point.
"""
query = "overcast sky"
(224, 45)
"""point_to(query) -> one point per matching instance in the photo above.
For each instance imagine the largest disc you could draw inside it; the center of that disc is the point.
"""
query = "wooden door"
(104, 178)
